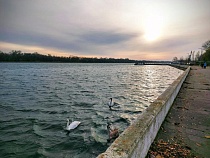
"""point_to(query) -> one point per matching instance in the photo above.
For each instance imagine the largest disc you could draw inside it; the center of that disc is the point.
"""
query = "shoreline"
(135, 141)
(188, 120)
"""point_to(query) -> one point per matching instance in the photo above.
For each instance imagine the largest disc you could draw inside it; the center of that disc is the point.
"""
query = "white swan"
(73, 125)
(111, 104)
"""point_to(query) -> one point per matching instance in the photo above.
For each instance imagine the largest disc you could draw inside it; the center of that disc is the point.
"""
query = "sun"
(153, 26)
(152, 34)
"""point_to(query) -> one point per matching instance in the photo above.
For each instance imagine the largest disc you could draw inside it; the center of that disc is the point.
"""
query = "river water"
(37, 98)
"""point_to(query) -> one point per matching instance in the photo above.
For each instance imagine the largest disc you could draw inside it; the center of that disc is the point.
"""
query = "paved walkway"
(188, 121)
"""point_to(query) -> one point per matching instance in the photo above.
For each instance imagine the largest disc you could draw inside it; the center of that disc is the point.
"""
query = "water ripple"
(37, 98)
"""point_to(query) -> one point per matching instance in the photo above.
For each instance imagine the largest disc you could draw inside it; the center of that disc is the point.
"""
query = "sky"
(134, 29)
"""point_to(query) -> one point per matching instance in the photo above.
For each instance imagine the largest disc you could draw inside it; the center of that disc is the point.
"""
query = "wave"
(40, 98)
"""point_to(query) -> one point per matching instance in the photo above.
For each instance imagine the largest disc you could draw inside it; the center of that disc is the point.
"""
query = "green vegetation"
(18, 56)
(196, 58)
(205, 57)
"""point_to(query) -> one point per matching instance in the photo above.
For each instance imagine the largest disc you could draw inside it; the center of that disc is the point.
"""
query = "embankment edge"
(135, 141)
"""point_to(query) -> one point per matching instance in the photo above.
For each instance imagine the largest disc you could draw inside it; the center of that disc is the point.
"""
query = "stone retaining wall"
(135, 141)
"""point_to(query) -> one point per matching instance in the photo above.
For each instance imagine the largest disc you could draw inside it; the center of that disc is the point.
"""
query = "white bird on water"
(73, 125)
(111, 104)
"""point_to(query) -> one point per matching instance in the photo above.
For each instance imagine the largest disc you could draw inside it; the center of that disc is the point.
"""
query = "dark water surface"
(37, 98)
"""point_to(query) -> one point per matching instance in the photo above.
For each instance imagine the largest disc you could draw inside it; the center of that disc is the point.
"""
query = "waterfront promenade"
(188, 121)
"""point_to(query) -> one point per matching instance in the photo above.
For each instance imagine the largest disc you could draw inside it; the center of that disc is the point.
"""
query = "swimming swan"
(73, 125)
(111, 104)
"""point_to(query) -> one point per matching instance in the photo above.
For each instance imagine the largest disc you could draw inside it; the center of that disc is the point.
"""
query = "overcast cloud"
(157, 30)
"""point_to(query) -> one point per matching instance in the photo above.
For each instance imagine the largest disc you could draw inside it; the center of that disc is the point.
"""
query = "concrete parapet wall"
(178, 66)
(135, 141)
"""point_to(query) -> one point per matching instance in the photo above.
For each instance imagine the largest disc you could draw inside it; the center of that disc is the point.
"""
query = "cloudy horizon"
(140, 30)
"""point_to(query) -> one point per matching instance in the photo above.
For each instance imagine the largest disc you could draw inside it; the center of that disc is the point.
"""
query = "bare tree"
(175, 59)
(206, 45)
(197, 56)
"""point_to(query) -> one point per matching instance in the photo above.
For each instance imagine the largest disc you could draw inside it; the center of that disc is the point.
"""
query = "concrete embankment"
(188, 121)
(178, 66)
(135, 141)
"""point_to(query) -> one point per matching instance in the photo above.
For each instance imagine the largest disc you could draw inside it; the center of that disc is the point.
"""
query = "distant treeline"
(18, 56)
